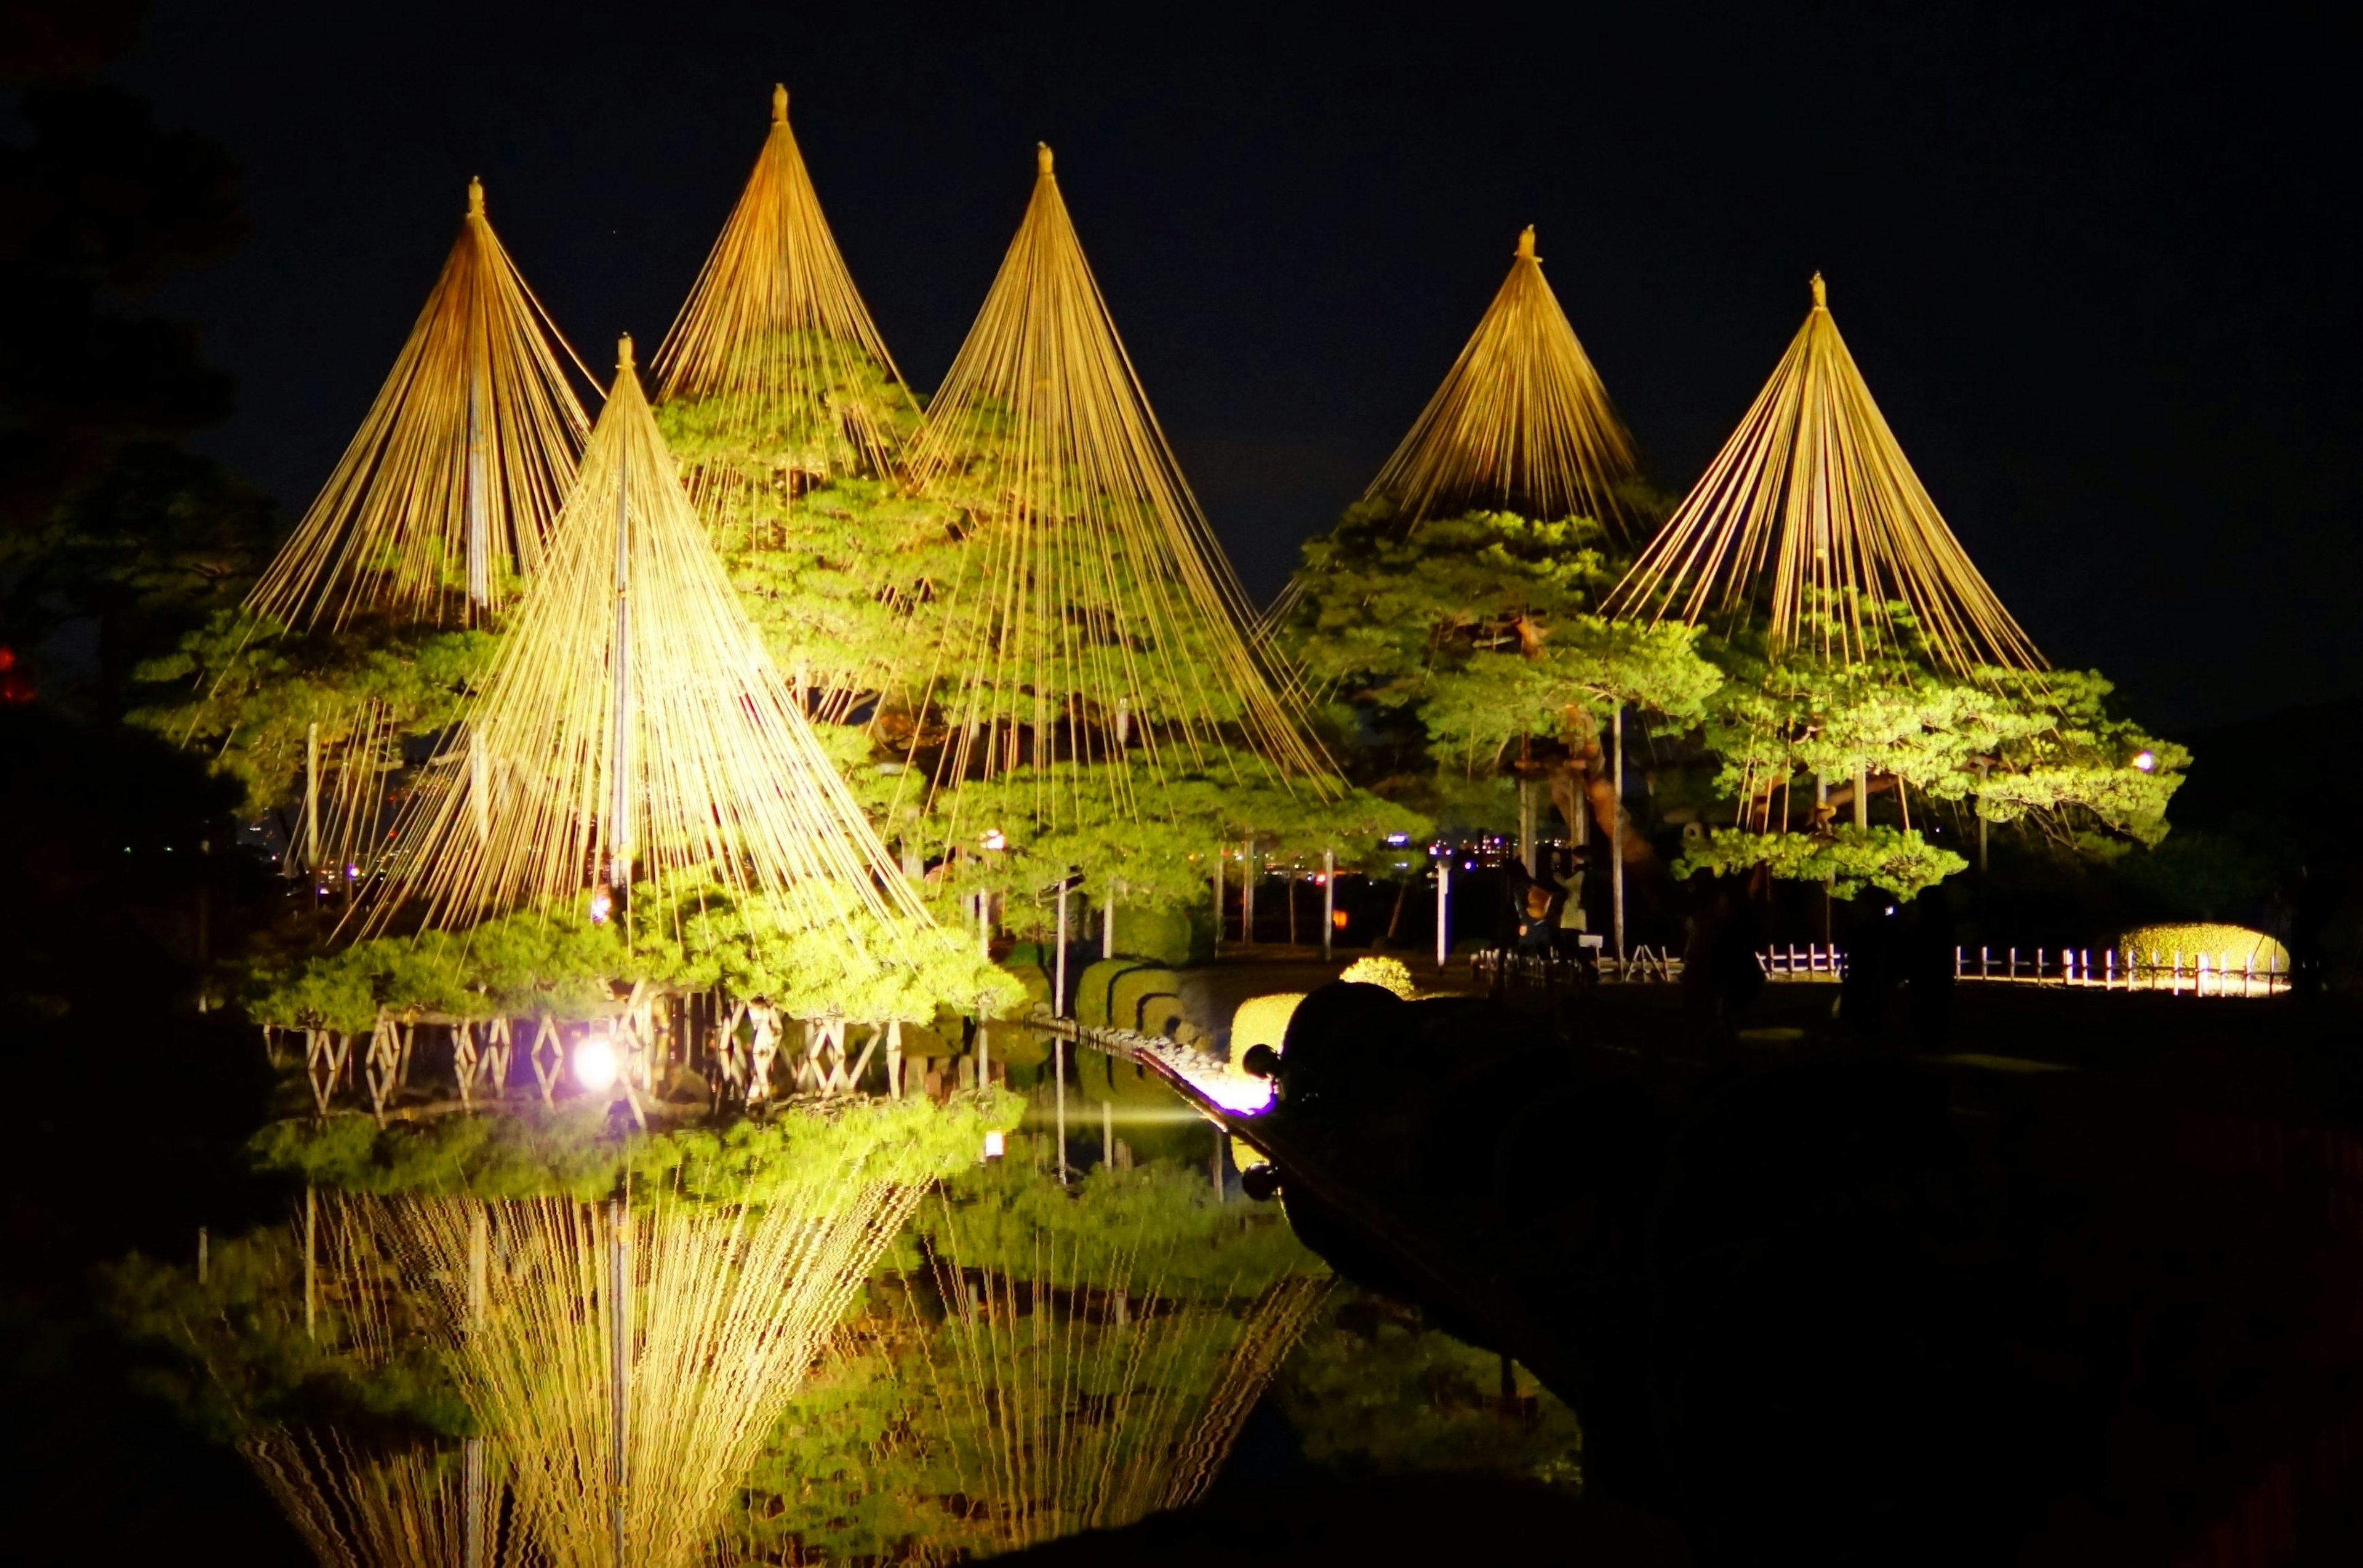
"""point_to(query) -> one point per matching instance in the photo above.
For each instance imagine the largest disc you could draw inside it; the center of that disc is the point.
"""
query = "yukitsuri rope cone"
(442, 502)
(779, 389)
(449, 491)
(1520, 423)
(1093, 618)
(775, 340)
(1813, 512)
(633, 728)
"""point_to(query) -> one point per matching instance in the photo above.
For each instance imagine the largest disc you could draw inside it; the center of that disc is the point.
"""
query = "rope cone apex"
(451, 487)
(1042, 159)
(1813, 510)
(779, 103)
(624, 354)
(1520, 422)
(1094, 576)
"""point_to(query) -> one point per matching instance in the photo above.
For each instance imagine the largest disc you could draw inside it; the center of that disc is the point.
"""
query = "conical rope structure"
(1092, 617)
(1812, 512)
(778, 390)
(443, 502)
(775, 340)
(450, 490)
(633, 728)
(1520, 423)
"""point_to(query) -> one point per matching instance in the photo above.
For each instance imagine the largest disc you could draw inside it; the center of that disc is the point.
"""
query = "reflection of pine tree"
(1052, 1362)
(399, 1508)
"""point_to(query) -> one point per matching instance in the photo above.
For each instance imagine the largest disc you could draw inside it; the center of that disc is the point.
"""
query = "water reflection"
(1043, 1360)
(827, 1368)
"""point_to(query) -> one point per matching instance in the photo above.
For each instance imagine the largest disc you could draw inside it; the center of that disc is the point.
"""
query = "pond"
(799, 1353)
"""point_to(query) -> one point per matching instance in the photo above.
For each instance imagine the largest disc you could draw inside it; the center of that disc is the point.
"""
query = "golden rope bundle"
(633, 727)
(776, 331)
(452, 486)
(1814, 491)
(1520, 423)
(1093, 618)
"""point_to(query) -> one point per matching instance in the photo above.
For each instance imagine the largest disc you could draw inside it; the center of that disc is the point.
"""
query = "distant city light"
(602, 904)
(995, 1145)
(1398, 837)
(995, 840)
(1337, 918)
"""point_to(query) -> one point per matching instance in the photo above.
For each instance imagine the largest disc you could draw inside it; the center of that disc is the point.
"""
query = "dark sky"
(2099, 266)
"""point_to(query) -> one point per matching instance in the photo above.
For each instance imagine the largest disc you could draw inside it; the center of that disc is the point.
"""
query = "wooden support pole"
(474, 1490)
(1107, 922)
(311, 799)
(311, 1264)
(1058, 1095)
(1218, 898)
(1616, 837)
(1107, 1132)
(1328, 903)
(1246, 897)
(1862, 796)
(1444, 909)
(1058, 964)
(619, 1372)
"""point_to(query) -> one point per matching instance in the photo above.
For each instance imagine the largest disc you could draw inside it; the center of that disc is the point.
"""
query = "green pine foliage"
(685, 934)
(246, 692)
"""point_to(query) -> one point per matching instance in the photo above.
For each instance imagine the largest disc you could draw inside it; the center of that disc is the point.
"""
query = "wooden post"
(1107, 1133)
(1443, 910)
(1107, 922)
(311, 1267)
(473, 1491)
(1059, 1081)
(311, 799)
(1528, 850)
(1617, 838)
(1222, 1139)
(204, 1250)
(1328, 903)
(1247, 895)
(1218, 898)
(619, 1371)
(1058, 971)
(1862, 796)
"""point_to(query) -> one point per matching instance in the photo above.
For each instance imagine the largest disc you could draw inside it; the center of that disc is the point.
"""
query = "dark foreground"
(2083, 1283)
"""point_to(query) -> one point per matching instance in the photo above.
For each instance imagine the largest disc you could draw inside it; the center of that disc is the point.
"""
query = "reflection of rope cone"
(728, 1307)
(1069, 1414)
(406, 1509)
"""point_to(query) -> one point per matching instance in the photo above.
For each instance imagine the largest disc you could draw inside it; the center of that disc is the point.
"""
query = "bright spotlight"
(996, 1145)
(603, 903)
(595, 1062)
(995, 840)
(2146, 760)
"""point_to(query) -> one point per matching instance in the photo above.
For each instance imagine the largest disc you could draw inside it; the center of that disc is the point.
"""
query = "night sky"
(2099, 266)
